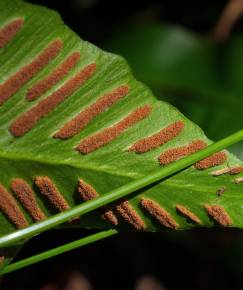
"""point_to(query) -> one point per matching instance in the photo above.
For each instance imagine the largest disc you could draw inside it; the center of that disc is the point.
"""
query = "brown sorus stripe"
(87, 115)
(87, 192)
(48, 188)
(188, 214)
(27, 120)
(130, 215)
(156, 211)
(236, 170)
(9, 31)
(158, 139)
(238, 180)
(229, 170)
(221, 171)
(218, 213)
(11, 209)
(54, 77)
(2, 258)
(107, 135)
(27, 197)
(176, 153)
(109, 216)
(211, 161)
(15, 82)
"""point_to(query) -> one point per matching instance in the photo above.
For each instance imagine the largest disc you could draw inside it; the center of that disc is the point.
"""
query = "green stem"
(119, 192)
(59, 250)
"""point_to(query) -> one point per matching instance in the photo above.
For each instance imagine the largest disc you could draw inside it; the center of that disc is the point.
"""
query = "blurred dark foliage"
(201, 259)
(198, 259)
(96, 20)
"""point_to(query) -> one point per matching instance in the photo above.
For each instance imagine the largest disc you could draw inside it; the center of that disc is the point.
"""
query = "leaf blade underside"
(182, 201)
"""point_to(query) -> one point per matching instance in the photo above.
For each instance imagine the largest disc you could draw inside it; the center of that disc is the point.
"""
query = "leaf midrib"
(79, 165)
(132, 175)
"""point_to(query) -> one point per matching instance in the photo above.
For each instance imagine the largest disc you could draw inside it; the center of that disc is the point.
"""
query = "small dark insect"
(220, 191)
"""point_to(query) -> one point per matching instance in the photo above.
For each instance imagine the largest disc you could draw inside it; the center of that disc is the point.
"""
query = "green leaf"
(50, 163)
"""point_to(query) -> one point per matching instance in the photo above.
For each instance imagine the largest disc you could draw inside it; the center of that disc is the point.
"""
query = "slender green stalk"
(119, 192)
(59, 250)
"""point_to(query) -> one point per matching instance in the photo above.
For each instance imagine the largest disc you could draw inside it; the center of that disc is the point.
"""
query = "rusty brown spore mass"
(160, 214)
(174, 154)
(16, 81)
(8, 31)
(74, 126)
(188, 214)
(158, 139)
(26, 196)
(218, 213)
(102, 138)
(49, 189)
(10, 208)
(126, 210)
(27, 120)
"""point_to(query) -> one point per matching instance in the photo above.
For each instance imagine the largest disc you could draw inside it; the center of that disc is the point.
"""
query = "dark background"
(198, 259)
(96, 20)
(205, 259)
